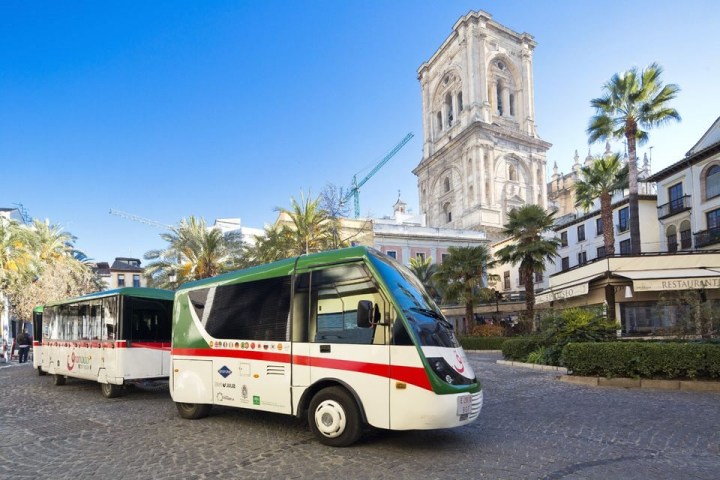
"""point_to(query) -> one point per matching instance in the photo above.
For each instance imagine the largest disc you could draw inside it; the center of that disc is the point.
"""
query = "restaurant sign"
(659, 284)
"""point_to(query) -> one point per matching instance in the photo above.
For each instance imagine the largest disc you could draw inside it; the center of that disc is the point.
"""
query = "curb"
(684, 385)
(535, 366)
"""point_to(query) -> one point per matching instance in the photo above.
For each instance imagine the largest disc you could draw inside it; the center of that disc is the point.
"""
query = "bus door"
(339, 346)
(38, 353)
(109, 366)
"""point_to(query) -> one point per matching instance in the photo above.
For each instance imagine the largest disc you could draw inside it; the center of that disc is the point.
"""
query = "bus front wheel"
(193, 410)
(334, 417)
(110, 390)
(59, 379)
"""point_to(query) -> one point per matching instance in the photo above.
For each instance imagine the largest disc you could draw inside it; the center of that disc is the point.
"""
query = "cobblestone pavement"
(532, 426)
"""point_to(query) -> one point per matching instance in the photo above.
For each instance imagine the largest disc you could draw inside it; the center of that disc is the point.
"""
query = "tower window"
(512, 105)
(459, 102)
(446, 184)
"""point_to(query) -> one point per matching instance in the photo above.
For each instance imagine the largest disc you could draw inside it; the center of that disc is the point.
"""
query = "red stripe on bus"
(247, 354)
(151, 345)
(412, 375)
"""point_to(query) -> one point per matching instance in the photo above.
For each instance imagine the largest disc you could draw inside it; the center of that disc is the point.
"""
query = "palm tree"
(424, 270)
(461, 275)
(272, 246)
(601, 179)
(194, 252)
(633, 102)
(528, 227)
(49, 242)
(310, 228)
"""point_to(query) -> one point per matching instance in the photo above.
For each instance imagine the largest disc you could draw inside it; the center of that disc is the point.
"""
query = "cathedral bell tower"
(482, 156)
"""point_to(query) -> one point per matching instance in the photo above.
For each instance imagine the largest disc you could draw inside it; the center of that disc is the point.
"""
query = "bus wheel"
(193, 410)
(334, 417)
(110, 390)
(59, 379)
(41, 372)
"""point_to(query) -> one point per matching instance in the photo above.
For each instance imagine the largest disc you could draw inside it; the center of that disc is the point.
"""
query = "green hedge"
(519, 348)
(643, 359)
(482, 343)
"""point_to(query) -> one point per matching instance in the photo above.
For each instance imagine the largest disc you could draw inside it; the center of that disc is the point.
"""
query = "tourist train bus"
(113, 337)
(347, 337)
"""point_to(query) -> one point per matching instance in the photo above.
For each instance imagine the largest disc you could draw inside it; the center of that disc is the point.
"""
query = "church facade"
(482, 156)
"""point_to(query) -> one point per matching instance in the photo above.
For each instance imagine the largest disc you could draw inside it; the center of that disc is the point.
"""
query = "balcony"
(674, 207)
(707, 237)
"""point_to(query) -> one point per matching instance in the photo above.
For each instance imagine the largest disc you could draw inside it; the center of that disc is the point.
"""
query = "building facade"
(482, 155)
(404, 237)
(652, 293)
(689, 197)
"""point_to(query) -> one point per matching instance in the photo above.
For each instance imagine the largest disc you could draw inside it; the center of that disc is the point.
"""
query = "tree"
(600, 180)
(528, 227)
(632, 103)
(424, 270)
(272, 246)
(194, 252)
(310, 227)
(38, 265)
(461, 275)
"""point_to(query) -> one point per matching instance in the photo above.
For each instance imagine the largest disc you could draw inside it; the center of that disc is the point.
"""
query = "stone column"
(506, 101)
(481, 159)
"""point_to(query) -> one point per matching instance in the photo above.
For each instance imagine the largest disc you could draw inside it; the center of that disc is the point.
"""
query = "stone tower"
(482, 156)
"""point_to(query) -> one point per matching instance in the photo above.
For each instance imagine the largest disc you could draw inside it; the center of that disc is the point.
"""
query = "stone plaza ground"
(532, 426)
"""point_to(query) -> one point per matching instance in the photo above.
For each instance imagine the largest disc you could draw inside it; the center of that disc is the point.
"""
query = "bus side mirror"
(364, 314)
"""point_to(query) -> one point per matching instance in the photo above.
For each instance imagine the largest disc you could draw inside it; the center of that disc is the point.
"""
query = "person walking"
(23, 343)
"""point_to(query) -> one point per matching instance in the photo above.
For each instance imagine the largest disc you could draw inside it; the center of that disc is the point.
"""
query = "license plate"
(464, 404)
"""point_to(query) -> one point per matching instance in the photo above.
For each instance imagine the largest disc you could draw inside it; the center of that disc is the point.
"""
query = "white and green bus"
(114, 337)
(348, 337)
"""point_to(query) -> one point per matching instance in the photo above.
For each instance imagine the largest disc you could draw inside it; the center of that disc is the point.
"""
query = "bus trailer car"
(114, 337)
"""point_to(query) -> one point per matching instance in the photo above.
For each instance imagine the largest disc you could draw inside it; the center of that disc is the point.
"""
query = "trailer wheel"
(334, 417)
(193, 411)
(110, 390)
(59, 379)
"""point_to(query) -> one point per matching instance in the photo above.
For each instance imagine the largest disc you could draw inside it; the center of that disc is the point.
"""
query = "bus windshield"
(425, 318)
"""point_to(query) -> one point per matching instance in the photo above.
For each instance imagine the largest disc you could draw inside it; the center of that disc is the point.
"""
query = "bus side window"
(334, 296)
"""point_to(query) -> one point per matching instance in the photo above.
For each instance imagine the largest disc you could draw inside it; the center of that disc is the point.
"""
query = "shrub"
(488, 331)
(643, 359)
(573, 325)
(537, 356)
(482, 343)
(518, 349)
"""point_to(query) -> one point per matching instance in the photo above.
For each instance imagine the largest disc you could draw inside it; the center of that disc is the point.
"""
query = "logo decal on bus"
(225, 371)
(461, 368)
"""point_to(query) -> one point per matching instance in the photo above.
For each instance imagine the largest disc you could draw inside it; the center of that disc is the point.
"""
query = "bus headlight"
(448, 374)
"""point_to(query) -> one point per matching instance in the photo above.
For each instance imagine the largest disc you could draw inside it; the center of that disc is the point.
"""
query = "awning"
(676, 279)
(562, 293)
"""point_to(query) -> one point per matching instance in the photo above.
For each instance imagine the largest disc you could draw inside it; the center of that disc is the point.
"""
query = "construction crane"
(354, 190)
(136, 218)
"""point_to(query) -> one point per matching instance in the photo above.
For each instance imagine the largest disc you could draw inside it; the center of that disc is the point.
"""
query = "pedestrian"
(23, 343)
(5, 354)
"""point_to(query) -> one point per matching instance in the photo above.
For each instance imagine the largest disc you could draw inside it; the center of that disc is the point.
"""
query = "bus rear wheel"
(59, 379)
(110, 390)
(334, 417)
(193, 411)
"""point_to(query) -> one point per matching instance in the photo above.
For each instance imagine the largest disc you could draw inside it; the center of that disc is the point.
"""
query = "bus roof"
(142, 292)
(283, 267)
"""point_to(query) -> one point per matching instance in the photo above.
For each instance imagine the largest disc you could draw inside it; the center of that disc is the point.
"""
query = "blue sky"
(228, 108)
